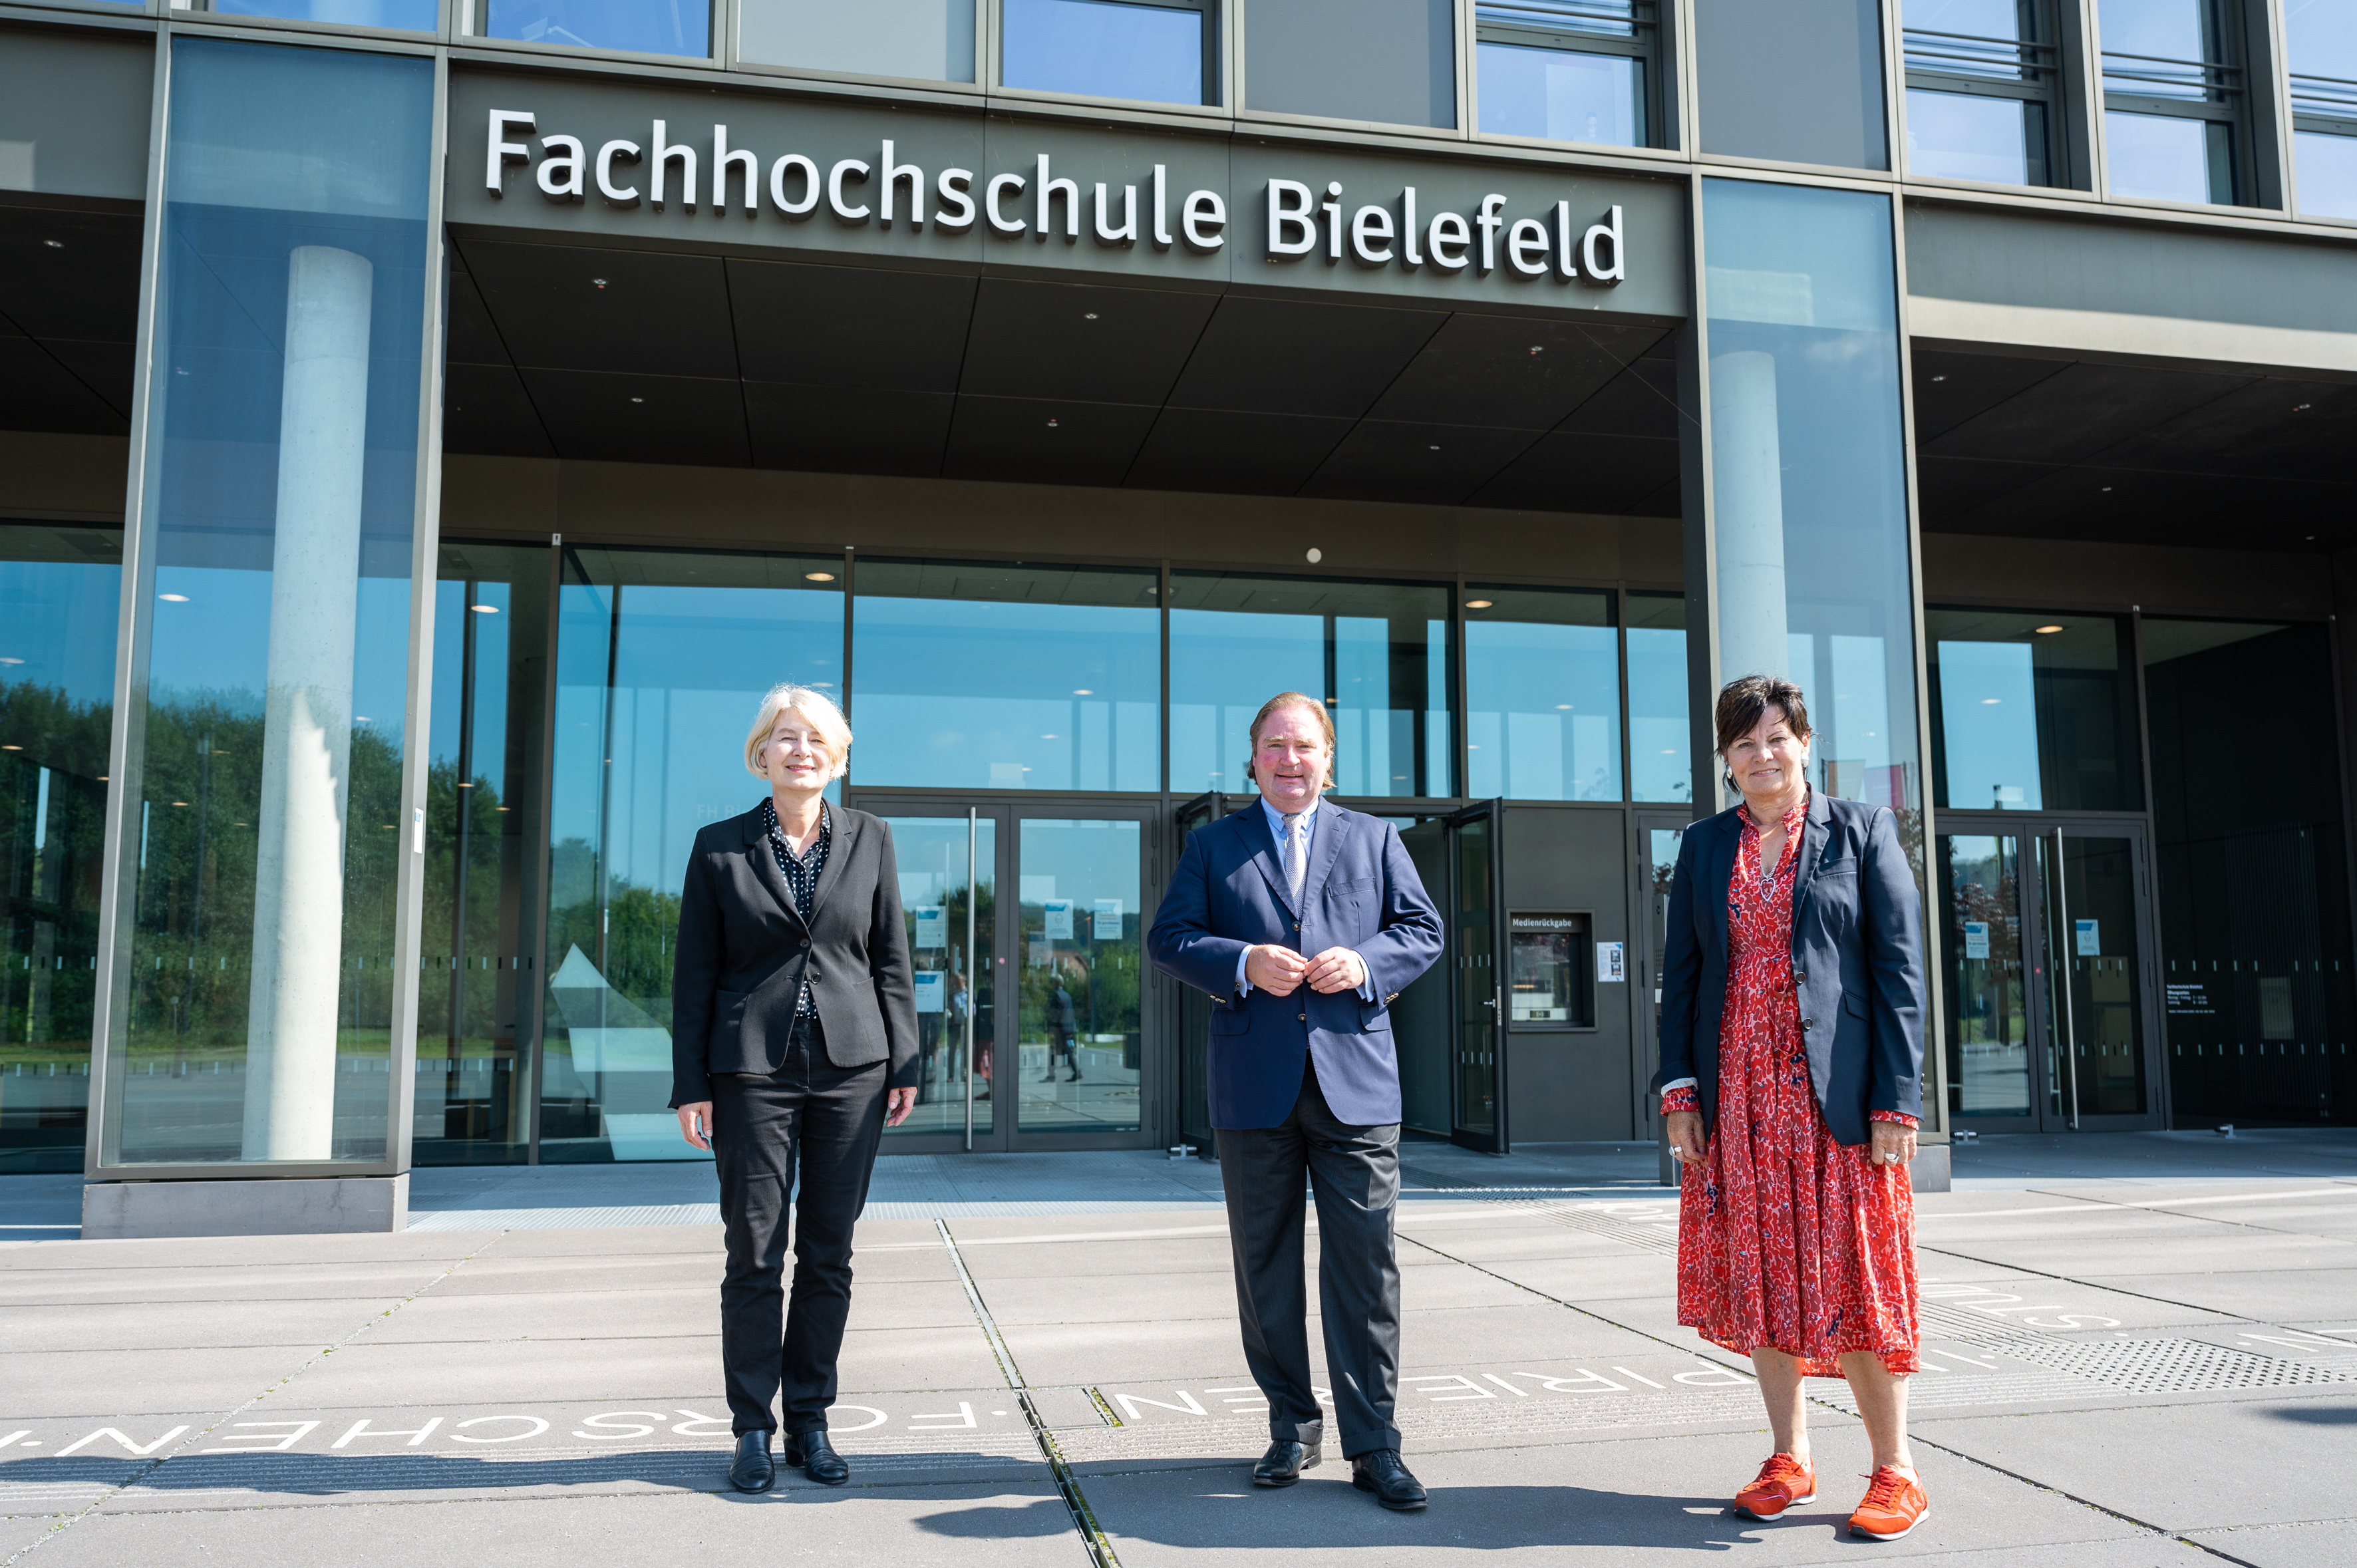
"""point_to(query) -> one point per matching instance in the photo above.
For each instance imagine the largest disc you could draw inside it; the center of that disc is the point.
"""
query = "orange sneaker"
(1894, 1505)
(1783, 1482)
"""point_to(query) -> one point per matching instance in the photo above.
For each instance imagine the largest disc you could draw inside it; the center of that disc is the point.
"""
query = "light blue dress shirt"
(1308, 838)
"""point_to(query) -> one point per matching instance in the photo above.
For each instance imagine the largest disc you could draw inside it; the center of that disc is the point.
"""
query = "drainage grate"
(1944, 1320)
(2165, 1365)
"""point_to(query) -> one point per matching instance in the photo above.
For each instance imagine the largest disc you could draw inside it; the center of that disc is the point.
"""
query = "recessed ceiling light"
(1536, 350)
(174, 598)
(2046, 630)
(1477, 604)
(1436, 448)
(1313, 555)
(2296, 408)
(55, 244)
(2107, 489)
(1083, 692)
(599, 282)
(179, 803)
(1091, 316)
(1991, 702)
(1051, 424)
(1563, 707)
(638, 400)
(484, 609)
(11, 749)
(362, 719)
(11, 662)
(1939, 377)
(818, 576)
(1046, 737)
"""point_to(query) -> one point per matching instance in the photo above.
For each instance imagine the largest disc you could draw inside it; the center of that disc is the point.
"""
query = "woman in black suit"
(793, 1042)
(1792, 996)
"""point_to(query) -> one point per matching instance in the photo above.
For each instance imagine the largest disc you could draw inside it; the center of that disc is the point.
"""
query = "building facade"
(429, 425)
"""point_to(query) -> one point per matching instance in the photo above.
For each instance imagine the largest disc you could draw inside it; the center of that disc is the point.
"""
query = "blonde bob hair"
(816, 706)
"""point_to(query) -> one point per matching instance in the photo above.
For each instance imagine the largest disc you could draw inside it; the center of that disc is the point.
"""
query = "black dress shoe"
(1283, 1464)
(752, 1470)
(814, 1456)
(1381, 1473)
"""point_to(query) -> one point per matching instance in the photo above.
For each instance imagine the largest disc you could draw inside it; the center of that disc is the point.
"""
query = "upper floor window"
(1981, 101)
(414, 15)
(2321, 45)
(1793, 80)
(683, 28)
(1390, 61)
(2174, 91)
(1568, 71)
(930, 39)
(1109, 49)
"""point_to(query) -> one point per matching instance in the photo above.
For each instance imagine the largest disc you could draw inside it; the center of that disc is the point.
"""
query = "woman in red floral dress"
(1793, 999)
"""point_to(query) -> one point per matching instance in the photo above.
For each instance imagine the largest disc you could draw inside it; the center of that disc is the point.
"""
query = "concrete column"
(298, 895)
(1748, 514)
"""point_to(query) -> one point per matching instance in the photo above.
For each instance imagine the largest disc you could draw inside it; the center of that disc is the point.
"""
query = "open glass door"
(1659, 838)
(1480, 1065)
(1194, 1008)
(948, 863)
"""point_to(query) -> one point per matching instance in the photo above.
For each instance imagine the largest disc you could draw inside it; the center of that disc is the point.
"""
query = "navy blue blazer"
(1857, 962)
(1360, 891)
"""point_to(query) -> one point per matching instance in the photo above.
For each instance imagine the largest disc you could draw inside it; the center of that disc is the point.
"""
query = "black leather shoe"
(1381, 1473)
(752, 1470)
(814, 1456)
(1283, 1464)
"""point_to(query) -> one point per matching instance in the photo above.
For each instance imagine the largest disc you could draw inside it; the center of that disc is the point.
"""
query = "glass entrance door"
(1031, 1028)
(2050, 1025)
(1479, 1069)
(1659, 838)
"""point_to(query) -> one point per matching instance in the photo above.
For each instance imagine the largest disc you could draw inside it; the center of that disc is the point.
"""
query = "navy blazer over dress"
(1857, 962)
(1360, 891)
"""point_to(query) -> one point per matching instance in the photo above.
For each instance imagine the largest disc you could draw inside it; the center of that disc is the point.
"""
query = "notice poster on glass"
(1976, 939)
(2091, 939)
(932, 988)
(1108, 920)
(933, 927)
(1060, 919)
(1611, 964)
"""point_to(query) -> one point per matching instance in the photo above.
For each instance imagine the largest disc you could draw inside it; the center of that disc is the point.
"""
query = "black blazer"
(1857, 962)
(743, 952)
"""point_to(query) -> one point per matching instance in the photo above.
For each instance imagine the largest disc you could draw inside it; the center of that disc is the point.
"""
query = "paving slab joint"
(1084, 1519)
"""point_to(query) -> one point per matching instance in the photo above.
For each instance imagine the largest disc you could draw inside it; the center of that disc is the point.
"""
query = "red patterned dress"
(1787, 1239)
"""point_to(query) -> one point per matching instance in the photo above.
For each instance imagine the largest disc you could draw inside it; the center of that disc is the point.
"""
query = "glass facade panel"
(1376, 653)
(681, 28)
(60, 593)
(932, 40)
(1389, 61)
(1800, 81)
(2173, 94)
(663, 658)
(1562, 94)
(1808, 475)
(1980, 88)
(414, 15)
(1078, 1030)
(2320, 46)
(2252, 884)
(1543, 694)
(986, 676)
(949, 878)
(1660, 742)
(479, 959)
(1953, 136)
(2031, 713)
(263, 826)
(1109, 49)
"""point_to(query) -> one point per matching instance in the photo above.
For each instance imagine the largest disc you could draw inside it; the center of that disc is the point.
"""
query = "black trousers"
(1354, 1172)
(822, 1121)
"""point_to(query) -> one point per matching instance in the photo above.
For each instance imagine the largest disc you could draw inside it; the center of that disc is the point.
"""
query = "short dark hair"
(1743, 703)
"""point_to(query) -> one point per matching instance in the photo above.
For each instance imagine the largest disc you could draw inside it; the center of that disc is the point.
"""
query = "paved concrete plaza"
(2142, 1351)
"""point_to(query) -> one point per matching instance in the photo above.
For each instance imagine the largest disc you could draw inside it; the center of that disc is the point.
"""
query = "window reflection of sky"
(1989, 705)
(57, 626)
(1543, 694)
(664, 28)
(1103, 48)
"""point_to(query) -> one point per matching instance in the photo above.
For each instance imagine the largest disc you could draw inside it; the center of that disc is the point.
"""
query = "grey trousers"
(1354, 1172)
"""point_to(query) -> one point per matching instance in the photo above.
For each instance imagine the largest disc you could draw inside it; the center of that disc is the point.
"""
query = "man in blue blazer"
(1303, 920)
